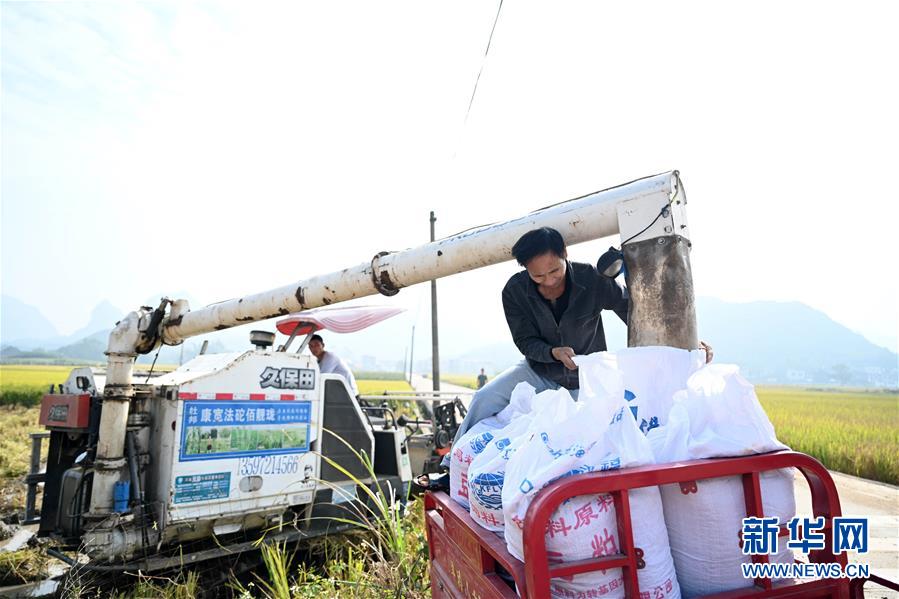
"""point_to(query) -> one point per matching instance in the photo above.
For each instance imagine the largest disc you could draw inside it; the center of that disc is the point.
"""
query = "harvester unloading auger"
(229, 444)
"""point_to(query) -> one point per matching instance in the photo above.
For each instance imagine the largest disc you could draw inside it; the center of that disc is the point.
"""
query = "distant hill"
(20, 343)
(19, 321)
(103, 318)
(773, 342)
(789, 342)
(25, 327)
(89, 348)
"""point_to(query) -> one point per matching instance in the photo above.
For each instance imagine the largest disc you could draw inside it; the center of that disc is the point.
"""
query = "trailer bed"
(470, 561)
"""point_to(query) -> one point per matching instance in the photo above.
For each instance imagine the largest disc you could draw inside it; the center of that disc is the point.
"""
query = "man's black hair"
(538, 242)
(318, 338)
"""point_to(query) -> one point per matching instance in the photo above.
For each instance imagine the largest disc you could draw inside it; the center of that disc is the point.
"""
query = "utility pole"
(405, 361)
(411, 354)
(435, 349)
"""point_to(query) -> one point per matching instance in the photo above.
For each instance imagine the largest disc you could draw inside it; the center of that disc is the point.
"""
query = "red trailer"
(469, 561)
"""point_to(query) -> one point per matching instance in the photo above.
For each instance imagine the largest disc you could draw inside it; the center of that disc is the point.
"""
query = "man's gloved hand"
(564, 355)
(709, 354)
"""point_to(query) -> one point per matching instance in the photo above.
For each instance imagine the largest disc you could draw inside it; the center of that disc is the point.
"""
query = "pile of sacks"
(635, 407)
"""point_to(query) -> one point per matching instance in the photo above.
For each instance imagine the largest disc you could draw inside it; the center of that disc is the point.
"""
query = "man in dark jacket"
(553, 311)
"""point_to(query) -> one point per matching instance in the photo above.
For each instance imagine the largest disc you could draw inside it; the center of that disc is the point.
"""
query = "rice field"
(377, 387)
(853, 432)
(462, 380)
(856, 432)
(850, 431)
(25, 384)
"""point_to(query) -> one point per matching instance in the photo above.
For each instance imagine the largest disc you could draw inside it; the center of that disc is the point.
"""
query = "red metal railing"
(617, 483)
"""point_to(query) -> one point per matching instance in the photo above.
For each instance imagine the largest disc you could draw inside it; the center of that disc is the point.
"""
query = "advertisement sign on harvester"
(212, 431)
(202, 487)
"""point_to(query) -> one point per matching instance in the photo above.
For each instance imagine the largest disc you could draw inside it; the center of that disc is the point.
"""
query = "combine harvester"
(193, 466)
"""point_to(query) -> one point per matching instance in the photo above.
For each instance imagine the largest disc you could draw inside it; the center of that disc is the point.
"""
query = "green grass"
(852, 432)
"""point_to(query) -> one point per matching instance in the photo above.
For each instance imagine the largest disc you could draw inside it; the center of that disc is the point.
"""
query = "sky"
(222, 149)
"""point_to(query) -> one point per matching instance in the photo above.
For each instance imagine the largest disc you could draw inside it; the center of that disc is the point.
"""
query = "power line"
(483, 62)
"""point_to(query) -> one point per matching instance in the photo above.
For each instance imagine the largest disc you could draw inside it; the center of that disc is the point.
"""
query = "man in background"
(330, 363)
(482, 379)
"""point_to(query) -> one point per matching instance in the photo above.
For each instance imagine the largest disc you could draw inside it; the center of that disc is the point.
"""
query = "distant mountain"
(19, 321)
(103, 317)
(92, 349)
(789, 342)
(89, 348)
(89, 342)
(13, 353)
(772, 342)
(25, 327)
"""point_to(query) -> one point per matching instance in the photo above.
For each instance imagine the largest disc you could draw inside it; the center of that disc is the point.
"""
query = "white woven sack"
(586, 527)
(487, 471)
(478, 436)
(652, 375)
(704, 528)
(717, 415)
(463, 453)
(596, 433)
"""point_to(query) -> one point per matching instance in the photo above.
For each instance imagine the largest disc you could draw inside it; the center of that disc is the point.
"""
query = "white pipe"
(582, 219)
(117, 394)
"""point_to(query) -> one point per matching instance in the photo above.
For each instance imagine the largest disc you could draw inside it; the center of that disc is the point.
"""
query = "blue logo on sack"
(577, 450)
(612, 464)
(488, 489)
(579, 470)
(630, 396)
(480, 442)
(645, 427)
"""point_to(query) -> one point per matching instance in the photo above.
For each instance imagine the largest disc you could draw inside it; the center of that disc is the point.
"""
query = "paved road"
(858, 497)
(420, 383)
(879, 502)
